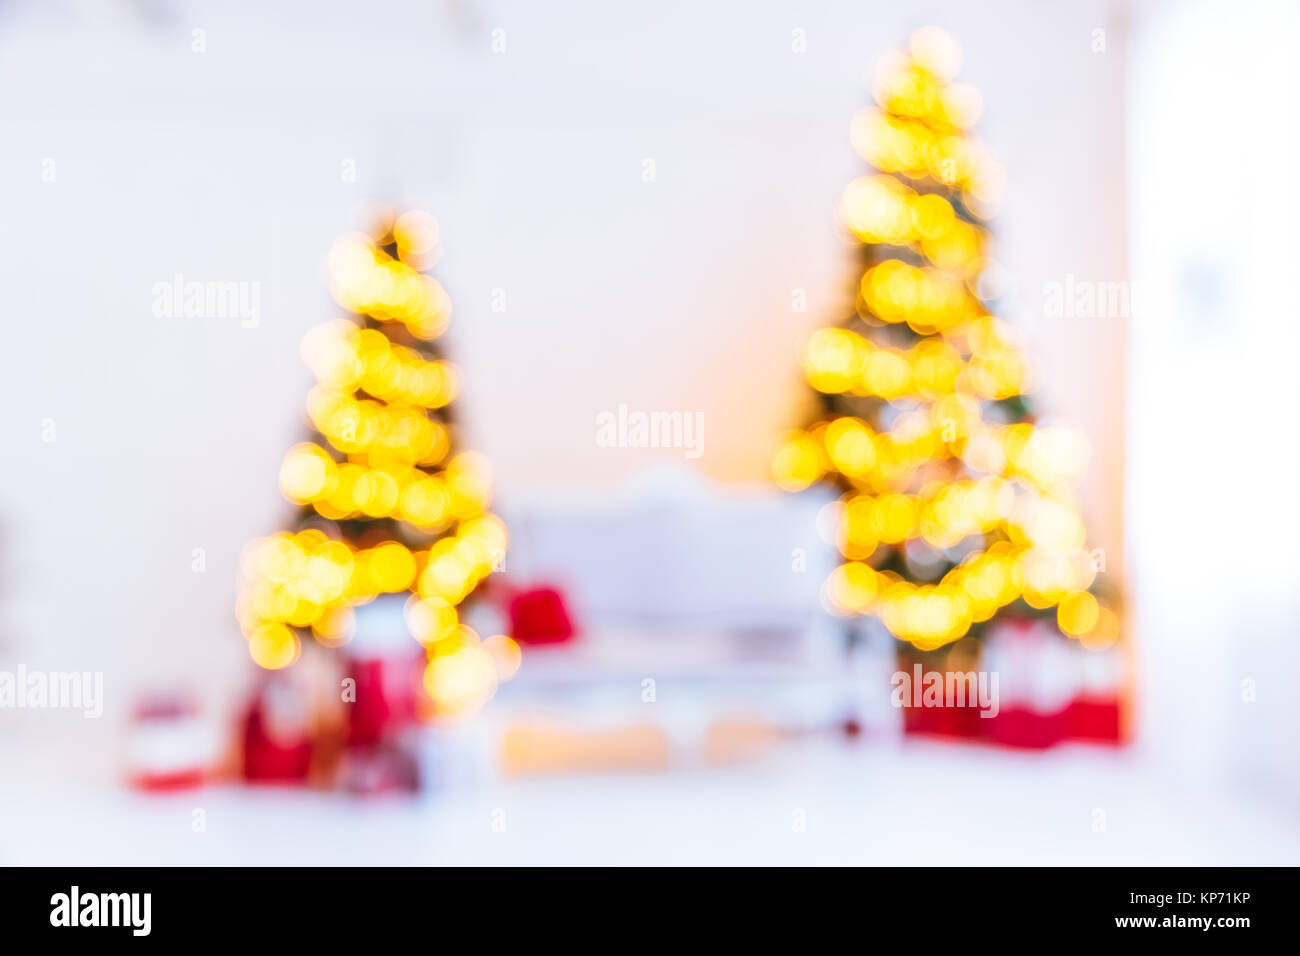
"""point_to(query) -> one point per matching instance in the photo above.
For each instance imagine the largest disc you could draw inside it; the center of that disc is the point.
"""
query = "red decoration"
(386, 689)
(1094, 718)
(539, 616)
(168, 746)
(267, 761)
(1052, 691)
(956, 722)
(1085, 718)
(277, 745)
(1026, 729)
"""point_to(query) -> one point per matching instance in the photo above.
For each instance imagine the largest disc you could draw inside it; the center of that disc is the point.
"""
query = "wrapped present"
(169, 746)
(1049, 690)
(277, 743)
(380, 672)
(540, 616)
(1052, 689)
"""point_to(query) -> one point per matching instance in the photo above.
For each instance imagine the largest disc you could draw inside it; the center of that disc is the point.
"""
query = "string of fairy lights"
(388, 506)
(955, 503)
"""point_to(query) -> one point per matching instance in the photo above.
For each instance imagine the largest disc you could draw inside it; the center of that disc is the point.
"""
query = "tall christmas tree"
(386, 504)
(956, 507)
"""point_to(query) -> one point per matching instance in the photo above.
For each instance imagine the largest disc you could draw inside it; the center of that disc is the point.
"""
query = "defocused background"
(1154, 145)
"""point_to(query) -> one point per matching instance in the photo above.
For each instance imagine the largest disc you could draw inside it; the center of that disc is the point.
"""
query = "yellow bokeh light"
(391, 567)
(273, 646)
(506, 655)
(851, 588)
(416, 234)
(460, 681)
(798, 463)
(850, 445)
(1077, 613)
(936, 50)
(306, 472)
(431, 619)
(833, 359)
(1104, 633)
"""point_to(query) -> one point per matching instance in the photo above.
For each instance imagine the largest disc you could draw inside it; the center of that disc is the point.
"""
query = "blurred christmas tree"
(387, 506)
(956, 507)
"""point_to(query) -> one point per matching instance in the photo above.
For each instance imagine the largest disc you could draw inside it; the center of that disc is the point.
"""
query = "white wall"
(673, 295)
(1213, 515)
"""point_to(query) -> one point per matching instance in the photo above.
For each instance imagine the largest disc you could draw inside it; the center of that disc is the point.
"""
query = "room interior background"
(526, 131)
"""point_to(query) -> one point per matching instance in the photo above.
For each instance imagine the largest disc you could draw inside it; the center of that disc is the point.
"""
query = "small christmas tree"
(387, 505)
(956, 507)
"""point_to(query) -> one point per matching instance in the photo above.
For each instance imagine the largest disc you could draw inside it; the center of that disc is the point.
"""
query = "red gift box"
(539, 616)
(1095, 719)
(168, 746)
(1027, 729)
(959, 722)
(386, 690)
(1052, 691)
(276, 737)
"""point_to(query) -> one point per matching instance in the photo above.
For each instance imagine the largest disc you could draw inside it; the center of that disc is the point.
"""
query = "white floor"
(830, 804)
